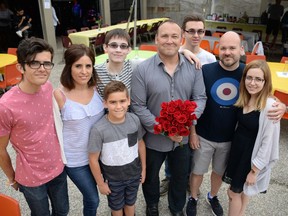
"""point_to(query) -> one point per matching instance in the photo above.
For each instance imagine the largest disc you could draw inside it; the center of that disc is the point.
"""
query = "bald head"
(230, 50)
(230, 36)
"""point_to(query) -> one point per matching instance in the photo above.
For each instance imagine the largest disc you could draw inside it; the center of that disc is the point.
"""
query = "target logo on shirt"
(225, 91)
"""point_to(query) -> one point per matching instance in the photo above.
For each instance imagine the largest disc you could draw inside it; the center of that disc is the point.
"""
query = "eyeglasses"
(37, 65)
(257, 80)
(115, 46)
(194, 31)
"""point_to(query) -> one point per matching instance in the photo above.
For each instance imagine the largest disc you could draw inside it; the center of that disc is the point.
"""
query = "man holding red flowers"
(175, 118)
(165, 77)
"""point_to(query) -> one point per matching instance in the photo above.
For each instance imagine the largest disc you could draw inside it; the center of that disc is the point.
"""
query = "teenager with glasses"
(255, 144)
(117, 45)
(27, 121)
(193, 31)
(81, 107)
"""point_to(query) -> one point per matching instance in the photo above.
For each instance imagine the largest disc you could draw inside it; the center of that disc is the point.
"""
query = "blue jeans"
(56, 190)
(178, 161)
(85, 182)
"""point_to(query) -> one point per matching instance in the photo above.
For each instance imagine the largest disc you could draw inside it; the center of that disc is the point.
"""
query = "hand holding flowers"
(175, 119)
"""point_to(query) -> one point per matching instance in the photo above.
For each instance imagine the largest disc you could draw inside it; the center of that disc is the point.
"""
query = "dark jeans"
(56, 190)
(167, 170)
(178, 165)
(83, 178)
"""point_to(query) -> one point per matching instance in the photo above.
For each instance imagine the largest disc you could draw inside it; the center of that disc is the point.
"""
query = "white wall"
(237, 8)
(177, 9)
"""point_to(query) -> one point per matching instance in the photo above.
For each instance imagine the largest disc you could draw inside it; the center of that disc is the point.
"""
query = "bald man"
(216, 125)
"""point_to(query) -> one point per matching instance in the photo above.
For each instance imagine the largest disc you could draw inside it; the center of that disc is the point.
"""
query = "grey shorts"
(218, 152)
(123, 193)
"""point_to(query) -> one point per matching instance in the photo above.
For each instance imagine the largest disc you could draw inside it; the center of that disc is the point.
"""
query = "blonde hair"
(266, 91)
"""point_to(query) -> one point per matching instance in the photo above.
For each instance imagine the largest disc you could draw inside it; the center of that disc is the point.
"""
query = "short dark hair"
(19, 8)
(118, 33)
(114, 86)
(29, 48)
(71, 55)
(192, 18)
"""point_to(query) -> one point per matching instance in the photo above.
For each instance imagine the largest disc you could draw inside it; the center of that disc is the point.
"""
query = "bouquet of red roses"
(175, 118)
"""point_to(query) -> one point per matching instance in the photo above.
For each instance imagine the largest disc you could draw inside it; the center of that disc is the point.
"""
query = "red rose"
(172, 131)
(192, 117)
(183, 132)
(179, 102)
(182, 107)
(176, 114)
(166, 125)
(175, 118)
(157, 129)
(175, 122)
(171, 109)
(163, 113)
(169, 117)
(172, 104)
(188, 124)
(182, 119)
(161, 120)
(164, 105)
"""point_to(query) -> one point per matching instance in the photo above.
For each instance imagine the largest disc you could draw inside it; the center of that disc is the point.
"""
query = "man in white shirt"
(193, 28)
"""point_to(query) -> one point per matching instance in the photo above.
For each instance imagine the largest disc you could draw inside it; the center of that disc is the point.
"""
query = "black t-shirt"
(218, 121)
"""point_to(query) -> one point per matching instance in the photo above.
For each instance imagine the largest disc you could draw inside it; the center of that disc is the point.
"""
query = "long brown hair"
(266, 91)
(71, 55)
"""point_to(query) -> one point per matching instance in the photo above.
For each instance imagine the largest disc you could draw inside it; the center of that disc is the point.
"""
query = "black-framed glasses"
(194, 31)
(257, 80)
(36, 64)
(115, 46)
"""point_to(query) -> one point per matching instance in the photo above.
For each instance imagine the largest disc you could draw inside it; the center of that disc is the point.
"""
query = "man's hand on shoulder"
(277, 111)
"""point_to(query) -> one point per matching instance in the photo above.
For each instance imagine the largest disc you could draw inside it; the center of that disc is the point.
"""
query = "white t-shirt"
(206, 57)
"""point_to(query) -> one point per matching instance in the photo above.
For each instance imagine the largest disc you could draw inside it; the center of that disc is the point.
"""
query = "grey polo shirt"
(151, 85)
